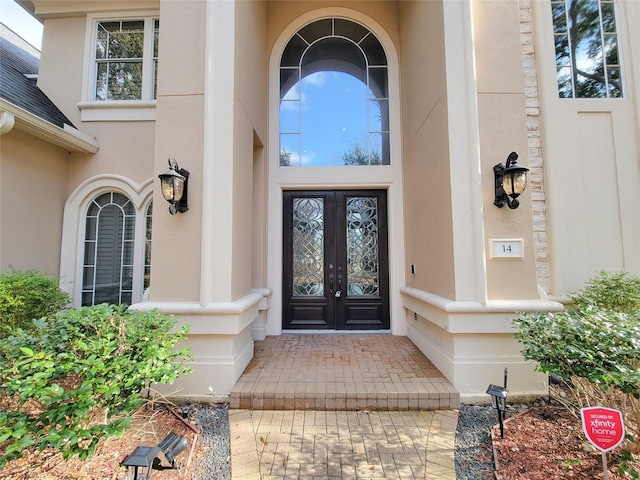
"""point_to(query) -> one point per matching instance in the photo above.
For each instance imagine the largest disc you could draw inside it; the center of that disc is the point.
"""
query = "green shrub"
(619, 292)
(75, 377)
(594, 346)
(601, 346)
(27, 295)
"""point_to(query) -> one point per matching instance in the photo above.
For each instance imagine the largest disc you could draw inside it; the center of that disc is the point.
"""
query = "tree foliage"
(594, 64)
(359, 155)
(76, 376)
(285, 158)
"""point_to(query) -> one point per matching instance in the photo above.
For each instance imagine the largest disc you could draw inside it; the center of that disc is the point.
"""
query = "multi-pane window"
(334, 96)
(587, 53)
(110, 267)
(126, 59)
(147, 246)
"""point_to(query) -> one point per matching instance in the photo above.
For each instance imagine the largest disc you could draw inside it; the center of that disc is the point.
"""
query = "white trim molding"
(74, 224)
(387, 177)
(69, 138)
(471, 342)
(231, 318)
(92, 110)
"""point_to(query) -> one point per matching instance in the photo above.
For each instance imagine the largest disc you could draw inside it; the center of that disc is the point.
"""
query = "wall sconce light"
(510, 181)
(499, 400)
(173, 184)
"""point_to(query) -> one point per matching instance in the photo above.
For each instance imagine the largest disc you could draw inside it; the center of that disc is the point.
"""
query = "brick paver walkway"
(341, 372)
(313, 445)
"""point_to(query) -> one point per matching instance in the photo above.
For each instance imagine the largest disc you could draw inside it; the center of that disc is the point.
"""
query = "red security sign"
(603, 426)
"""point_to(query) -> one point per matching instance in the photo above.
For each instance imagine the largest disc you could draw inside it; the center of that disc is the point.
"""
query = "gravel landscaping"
(473, 450)
(213, 424)
(473, 453)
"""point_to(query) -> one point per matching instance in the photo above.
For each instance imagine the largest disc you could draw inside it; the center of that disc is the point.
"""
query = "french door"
(336, 272)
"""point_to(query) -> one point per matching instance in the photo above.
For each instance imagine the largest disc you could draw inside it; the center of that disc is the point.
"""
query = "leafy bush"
(26, 295)
(594, 347)
(619, 292)
(74, 378)
(601, 346)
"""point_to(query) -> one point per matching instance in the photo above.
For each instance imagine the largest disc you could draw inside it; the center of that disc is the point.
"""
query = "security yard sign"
(604, 428)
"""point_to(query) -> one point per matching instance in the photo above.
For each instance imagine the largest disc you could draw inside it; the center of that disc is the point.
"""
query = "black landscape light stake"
(499, 401)
(140, 463)
(172, 446)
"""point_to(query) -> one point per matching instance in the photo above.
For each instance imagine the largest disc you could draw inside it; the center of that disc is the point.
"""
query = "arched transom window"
(334, 96)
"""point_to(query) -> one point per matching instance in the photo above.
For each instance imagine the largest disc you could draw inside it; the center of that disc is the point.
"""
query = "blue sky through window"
(327, 113)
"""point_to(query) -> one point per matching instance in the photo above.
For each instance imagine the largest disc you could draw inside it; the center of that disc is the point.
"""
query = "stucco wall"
(250, 127)
(591, 163)
(61, 64)
(179, 131)
(503, 129)
(127, 148)
(427, 186)
(33, 189)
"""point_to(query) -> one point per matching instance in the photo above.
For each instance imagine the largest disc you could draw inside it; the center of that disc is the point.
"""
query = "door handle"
(330, 283)
(339, 282)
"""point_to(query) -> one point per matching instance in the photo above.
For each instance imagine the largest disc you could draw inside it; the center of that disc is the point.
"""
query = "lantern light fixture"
(510, 182)
(173, 184)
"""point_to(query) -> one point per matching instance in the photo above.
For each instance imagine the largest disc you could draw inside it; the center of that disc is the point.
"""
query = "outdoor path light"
(173, 184)
(510, 181)
(499, 400)
(142, 461)
(172, 446)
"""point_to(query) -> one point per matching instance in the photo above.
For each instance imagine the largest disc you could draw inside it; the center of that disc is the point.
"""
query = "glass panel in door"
(335, 260)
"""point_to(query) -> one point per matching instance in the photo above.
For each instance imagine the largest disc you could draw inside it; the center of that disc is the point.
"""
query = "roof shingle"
(18, 60)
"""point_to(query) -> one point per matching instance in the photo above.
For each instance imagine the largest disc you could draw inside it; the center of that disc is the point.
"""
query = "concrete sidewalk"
(307, 444)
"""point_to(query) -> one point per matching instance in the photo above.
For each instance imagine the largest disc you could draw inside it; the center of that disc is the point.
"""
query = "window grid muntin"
(612, 72)
(92, 220)
(384, 135)
(149, 59)
(147, 248)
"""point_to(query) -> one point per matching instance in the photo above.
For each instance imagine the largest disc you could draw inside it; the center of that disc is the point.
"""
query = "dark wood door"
(336, 273)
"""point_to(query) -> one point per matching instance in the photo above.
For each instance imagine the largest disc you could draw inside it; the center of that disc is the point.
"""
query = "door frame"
(335, 309)
(386, 177)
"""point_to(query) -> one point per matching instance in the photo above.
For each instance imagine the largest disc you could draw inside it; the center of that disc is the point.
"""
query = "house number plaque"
(506, 248)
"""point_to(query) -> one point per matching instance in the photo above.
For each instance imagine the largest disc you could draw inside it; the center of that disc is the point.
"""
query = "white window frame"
(74, 224)
(94, 244)
(118, 110)
(602, 34)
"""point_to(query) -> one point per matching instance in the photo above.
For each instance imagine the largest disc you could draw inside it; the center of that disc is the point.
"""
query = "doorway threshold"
(333, 332)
